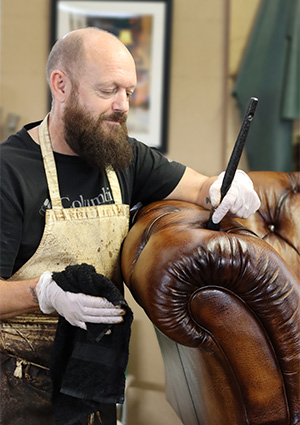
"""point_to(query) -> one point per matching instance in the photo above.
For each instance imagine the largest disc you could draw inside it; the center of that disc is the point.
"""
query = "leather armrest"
(175, 268)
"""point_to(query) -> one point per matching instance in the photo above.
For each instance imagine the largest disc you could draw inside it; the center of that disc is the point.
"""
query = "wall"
(198, 130)
(196, 74)
(24, 50)
(197, 84)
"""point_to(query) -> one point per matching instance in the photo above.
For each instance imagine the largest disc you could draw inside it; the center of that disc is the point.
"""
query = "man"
(67, 187)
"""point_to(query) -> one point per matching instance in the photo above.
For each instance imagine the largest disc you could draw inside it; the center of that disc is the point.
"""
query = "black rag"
(88, 367)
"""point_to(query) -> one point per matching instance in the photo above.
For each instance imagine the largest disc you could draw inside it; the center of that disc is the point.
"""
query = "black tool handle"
(236, 155)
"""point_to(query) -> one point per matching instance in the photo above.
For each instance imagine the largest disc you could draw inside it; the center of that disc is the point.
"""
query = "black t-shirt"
(24, 195)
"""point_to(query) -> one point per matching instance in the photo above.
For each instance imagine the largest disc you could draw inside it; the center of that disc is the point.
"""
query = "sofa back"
(278, 219)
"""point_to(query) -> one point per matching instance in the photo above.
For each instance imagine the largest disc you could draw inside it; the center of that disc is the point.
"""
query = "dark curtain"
(270, 71)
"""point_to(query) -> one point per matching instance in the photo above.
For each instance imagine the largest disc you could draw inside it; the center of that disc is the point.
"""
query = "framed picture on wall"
(144, 26)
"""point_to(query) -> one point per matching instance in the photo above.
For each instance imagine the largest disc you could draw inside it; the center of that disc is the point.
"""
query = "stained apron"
(91, 235)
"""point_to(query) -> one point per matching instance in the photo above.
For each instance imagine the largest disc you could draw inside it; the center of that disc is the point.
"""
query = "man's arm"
(240, 201)
(17, 297)
(193, 187)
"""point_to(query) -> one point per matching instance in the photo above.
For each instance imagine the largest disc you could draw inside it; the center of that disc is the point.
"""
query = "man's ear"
(60, 85)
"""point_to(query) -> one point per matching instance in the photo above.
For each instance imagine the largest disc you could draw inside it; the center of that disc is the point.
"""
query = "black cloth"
(24, 194)
(88, 367)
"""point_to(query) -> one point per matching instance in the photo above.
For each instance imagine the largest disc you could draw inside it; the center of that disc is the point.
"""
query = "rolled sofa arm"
(174, 267)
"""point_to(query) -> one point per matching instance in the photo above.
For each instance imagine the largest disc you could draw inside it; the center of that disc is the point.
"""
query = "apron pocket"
(25, 400)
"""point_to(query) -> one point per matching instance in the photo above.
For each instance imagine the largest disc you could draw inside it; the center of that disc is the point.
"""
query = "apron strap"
(114, 185)
(49, 164)
(51, 173)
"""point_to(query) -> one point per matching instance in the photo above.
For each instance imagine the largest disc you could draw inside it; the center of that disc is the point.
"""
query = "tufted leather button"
(271, 227)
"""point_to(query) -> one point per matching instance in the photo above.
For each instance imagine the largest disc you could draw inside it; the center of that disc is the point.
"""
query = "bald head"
(71, 52)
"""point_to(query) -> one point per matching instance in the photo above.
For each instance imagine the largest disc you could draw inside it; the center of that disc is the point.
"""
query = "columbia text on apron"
(91, 235)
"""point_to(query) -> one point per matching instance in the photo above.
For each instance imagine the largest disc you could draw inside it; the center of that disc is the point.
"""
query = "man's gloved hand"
(77, 309)
(241, 199)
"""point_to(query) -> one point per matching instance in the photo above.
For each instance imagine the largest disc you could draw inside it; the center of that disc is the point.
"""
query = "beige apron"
(91, 235)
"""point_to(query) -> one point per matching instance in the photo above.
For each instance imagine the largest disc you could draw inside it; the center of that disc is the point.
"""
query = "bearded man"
(79, 152)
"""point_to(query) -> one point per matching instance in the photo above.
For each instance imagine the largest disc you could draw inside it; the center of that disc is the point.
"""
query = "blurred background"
(222, 53)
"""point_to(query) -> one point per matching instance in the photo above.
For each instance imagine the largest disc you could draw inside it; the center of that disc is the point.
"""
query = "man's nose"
(121, 102)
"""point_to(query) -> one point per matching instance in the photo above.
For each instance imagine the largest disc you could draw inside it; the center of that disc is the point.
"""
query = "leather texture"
(225, 304)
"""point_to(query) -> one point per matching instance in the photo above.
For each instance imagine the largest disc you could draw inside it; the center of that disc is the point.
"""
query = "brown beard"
(93, 141)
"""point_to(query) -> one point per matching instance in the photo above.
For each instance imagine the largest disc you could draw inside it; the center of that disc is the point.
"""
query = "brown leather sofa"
(225, 304)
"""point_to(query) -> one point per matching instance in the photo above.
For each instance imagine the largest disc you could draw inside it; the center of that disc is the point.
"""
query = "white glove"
(77, 309)
(241, 199)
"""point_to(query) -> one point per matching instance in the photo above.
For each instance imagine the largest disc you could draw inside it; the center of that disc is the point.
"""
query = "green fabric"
(270, 71)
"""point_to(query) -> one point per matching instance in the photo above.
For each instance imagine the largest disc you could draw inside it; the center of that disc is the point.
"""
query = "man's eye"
(107, 92)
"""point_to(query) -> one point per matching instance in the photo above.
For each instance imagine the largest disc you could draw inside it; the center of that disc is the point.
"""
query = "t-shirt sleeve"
(155, 176)
(10, 231)
(18, 186)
